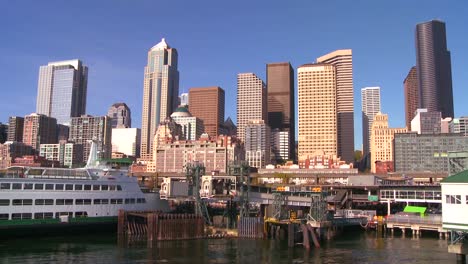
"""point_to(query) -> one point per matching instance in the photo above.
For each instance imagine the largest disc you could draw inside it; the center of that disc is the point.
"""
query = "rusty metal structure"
(194, 172)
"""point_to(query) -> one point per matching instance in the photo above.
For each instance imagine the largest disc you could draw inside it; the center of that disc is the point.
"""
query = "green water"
(354, 247)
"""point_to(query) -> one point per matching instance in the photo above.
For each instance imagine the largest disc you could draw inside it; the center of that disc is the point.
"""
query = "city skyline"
(125, 78)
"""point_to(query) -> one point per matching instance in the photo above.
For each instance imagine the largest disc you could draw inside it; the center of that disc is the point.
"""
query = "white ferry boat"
(31, 196)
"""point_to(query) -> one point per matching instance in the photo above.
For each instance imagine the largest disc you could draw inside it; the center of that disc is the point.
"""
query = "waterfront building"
(370, 97)
(455, 203)
(86, 128)
(426, 152)
(320, 160)
(11, 150)
(208, 103)
(425, 122)
(39, 129)
(459, 125)
(434, 68)
(342, 60)
(381, 143)
(160, 93)
(3, 133)
(126, 141)
(216, 154)
(257, 144)
(251, 101)
(410, 85)
(191, 126)
(317, 116)
(121, 115)
(184, 99)
(15, 129)
(62, 89)
(66, 154)
(281, 113)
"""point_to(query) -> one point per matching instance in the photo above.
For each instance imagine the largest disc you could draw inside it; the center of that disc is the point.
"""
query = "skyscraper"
(434, 68)
(207, 103)
(160, 94)
(15, 129)
(370, 107)
(251, 101)
(39, 129)
(281, 114)
(121, 115)
(411, 95)
(343, 62)
(61, 90)
(184, 99)
(257, 144)
(316, 88)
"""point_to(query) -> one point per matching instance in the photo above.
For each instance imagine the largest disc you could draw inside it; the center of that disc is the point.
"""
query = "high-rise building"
(11, 150)
(191, 126)
(257, 144)
(434, 68)
(207, 103)
(61, 90)
(39, 129)
(343, 62)
(425, 122)
(121, 115)
(67, 154)
(281, 112)
(3, 133)
(86, 128)
(316, 86)
(15, 129)
(381, 143)
(126, 141)
(184, 99)
(370, 107)
(160, 94)
(251, 101)
(411, 95)
(459, 125)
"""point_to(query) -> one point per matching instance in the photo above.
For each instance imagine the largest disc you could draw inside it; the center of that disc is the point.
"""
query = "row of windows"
(59, 187)
(455, 199)
(41, 215)
(21, 202)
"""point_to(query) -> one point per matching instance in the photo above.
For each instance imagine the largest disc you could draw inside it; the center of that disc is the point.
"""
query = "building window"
(453, 199)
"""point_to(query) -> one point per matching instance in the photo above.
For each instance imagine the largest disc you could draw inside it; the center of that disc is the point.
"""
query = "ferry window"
(28, 186)
(17, 186)
(15, 216)
(104, 187)
(87, 201)
(4, 202)
(39, 202)
(453, 199)
(81, 214)
(3, 216)
(17, 202)
(119, 188)
(87, 187)
(5, 186)
(95, 187)
(105, 201)
(49, 202)
(26, 216)
(57, 215)
(69, 187)
(60, 202)
(113, 201)
(132, 200)
(49, 186)
(48, 215)
(119, 201)
(27, 202)
(38, 215)
(79, 202)
(141, 200)
(97, 201)
(68, 201)
(127, 200)
(59, 187)
(78, 187)
(112, 187)
(39, 186)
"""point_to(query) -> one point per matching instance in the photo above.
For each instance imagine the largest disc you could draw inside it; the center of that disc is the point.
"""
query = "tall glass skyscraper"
(160, 94)
(434, 70)
(61, 90)
(370, 107)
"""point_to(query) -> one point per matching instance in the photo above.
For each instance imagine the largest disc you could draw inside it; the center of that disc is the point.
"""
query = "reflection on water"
(350, 247)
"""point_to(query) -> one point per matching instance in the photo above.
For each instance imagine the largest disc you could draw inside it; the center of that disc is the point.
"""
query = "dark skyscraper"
(411, 95)
(280, 83)
(434, 68)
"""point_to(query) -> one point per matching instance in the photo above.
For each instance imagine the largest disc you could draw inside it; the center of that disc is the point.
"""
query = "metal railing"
(414, 219)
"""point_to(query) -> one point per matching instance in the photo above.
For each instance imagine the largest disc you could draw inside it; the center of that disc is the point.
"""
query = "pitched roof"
(461, 177)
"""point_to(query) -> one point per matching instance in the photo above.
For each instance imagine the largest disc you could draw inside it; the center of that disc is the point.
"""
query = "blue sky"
(216, 40)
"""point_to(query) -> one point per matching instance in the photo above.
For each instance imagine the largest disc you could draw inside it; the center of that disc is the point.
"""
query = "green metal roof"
(461, 177)
(415, 209)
